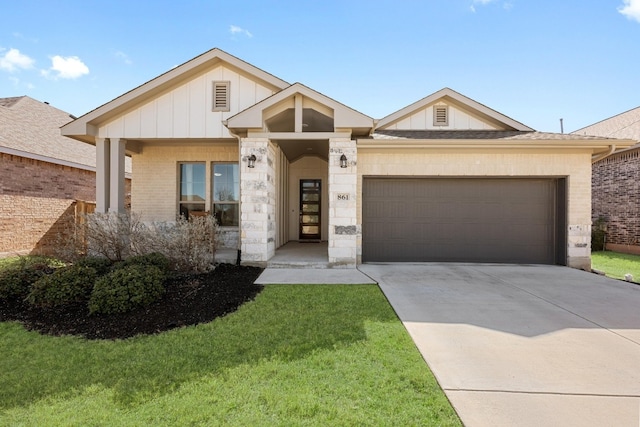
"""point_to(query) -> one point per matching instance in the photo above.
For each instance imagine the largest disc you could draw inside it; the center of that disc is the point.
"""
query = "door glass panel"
(314, 219)
(310, 197)
(310, 229)
(310, 208)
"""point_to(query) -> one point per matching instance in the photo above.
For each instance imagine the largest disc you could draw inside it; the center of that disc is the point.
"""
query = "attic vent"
(221, 96)
(441, 115)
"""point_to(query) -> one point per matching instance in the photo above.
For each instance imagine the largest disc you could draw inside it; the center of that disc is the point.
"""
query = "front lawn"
(616, 265)
(296, 355)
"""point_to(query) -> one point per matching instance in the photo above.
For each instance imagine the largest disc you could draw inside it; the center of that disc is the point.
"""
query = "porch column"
(116, 184)
(343, 224)
(257, 201)
(102, 174)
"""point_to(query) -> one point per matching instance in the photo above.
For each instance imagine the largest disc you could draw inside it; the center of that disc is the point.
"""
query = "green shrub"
(127, 288)
(65, 285)
(155, 259)
(101, 265)
(17, 277)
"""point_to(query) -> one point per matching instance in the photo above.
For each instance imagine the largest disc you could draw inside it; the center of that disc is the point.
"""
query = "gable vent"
(441, 115)
(221, 96)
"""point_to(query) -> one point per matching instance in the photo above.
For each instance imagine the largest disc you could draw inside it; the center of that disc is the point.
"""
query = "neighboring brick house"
(615, 191)
(42, 175)
(443, 179)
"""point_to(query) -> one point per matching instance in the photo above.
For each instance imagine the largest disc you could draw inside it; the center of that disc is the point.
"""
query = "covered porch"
(298, 180)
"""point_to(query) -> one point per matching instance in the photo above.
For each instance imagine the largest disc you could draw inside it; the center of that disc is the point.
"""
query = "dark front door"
(310, 191)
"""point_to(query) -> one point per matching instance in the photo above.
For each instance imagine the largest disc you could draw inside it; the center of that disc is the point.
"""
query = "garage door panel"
(474, 220)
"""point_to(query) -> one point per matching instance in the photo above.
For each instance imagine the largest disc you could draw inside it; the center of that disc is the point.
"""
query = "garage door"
(462, 220)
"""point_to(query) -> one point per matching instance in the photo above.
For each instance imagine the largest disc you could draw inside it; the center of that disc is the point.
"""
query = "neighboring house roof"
(458, 99)
(85, 127)
(625, 125)
(31, 129)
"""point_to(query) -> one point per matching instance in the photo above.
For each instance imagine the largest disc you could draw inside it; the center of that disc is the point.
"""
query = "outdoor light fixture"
(343, 161)
(251, 161)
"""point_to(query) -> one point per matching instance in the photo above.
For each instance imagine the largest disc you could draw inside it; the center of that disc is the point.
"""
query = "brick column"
(343, 227)
(257, 201)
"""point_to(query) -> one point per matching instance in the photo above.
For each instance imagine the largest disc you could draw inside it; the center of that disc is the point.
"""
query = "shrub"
(189, 245)
(99, 264)
(155, 258)
(65, 285)
(127, 288)
(16, 278)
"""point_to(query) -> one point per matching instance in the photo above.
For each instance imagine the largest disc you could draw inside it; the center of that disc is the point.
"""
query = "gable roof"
(344, 117)
(30, 128)
(624, 125)
(459, 99)
(84, 128)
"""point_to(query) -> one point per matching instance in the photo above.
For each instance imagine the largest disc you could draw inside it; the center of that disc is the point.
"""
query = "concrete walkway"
(523, 345)
(313, 276)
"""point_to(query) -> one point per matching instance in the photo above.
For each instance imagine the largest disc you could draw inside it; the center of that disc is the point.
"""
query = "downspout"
(239, 249)
(597, 157)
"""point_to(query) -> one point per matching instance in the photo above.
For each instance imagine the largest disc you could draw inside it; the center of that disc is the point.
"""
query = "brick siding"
(36, 199)
(616, 197)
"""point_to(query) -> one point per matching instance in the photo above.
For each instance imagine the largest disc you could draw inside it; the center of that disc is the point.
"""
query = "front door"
(310, 192)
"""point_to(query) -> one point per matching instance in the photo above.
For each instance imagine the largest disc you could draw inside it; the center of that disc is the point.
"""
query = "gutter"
(597, 157)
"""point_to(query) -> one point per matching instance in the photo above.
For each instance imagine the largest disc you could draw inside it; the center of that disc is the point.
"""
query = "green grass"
(616, 265)
(303, 355)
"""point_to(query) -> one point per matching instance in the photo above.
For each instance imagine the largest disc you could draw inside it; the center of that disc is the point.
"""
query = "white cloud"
(631, 9)
(124, 57)
(507, 5)
(70, 67)
(13, 60)
(233, 29)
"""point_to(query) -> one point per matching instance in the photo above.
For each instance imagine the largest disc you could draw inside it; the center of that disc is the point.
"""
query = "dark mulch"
(189, 300)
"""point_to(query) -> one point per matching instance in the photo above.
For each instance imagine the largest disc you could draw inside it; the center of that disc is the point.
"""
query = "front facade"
(616, 183)
(444, 179)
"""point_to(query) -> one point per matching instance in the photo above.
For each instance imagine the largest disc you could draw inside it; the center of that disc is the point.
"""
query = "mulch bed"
(189, 300)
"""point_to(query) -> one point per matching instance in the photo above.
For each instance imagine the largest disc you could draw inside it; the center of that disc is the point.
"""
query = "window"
(192, 188)
(441, 115)
(226, 193)
(221, 96)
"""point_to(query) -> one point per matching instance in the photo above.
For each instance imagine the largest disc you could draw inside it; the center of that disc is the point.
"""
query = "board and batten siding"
(458, 120)
(186, 111)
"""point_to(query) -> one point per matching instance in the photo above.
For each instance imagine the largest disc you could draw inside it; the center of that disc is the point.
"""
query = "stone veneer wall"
(35, 199)
(344, 230)
(616, 197)
(258, 199)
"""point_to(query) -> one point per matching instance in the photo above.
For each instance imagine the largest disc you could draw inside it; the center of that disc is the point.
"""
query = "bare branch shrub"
(113, 235)
(190, 245)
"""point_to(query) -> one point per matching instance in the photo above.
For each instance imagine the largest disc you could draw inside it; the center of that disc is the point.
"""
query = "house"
(616, 183)
(42, 175)
(443, 179)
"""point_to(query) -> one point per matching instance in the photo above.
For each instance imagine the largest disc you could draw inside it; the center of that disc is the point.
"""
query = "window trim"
(217, 101)
(179, 189)
(213, 202)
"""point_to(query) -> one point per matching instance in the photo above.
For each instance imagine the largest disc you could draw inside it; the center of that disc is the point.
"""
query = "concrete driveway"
(523, 345)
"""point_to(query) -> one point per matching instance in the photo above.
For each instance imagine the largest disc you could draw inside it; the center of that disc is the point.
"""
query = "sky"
(536, 61)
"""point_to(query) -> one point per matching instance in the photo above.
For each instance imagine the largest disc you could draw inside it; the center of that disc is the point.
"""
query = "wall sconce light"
(251, 161)
(343, 161)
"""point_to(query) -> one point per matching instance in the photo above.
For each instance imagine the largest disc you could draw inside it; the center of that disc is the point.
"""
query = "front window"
(226, 193)
(192, 188)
